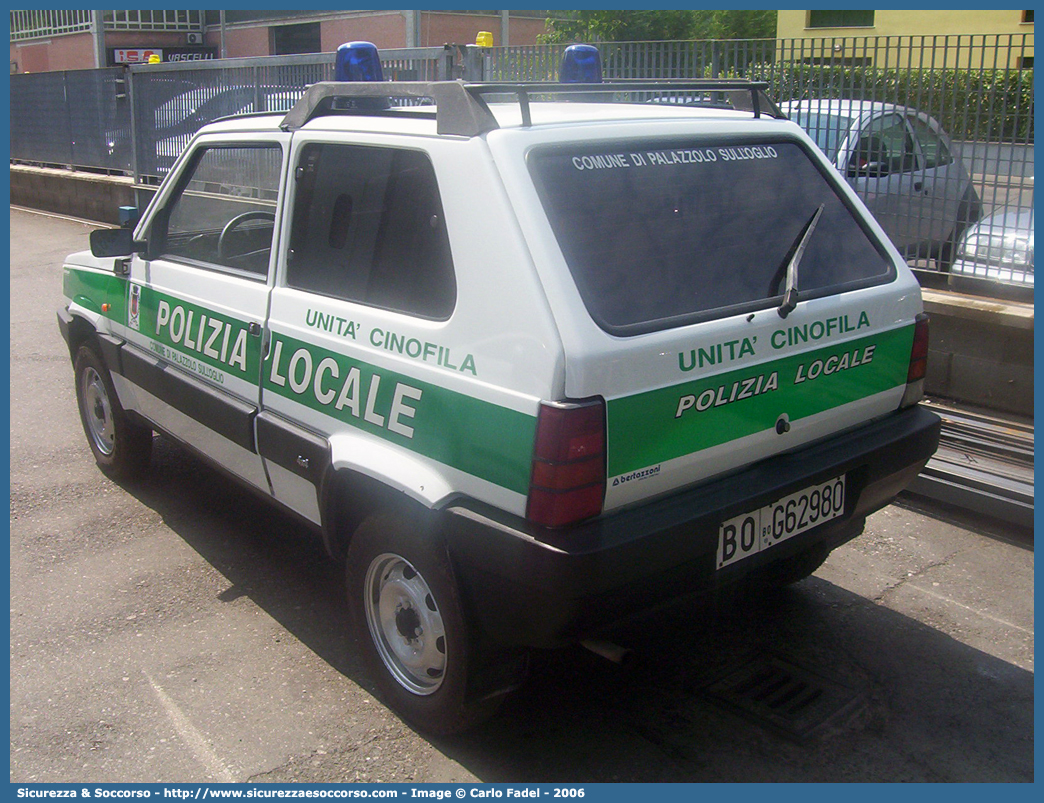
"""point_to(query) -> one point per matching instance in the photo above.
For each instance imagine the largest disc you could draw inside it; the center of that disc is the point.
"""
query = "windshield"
(658, 234)
(828, 130)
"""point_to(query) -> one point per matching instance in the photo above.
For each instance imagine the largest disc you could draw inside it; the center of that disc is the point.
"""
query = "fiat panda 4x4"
(529, 360)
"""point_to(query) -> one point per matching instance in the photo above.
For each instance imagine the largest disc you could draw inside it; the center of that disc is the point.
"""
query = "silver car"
(178, 119)
(902, 164)
(181, 114)
(998, 247)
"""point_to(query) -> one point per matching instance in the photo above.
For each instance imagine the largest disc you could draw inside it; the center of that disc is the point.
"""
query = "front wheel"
(410, 625)
(121, 447)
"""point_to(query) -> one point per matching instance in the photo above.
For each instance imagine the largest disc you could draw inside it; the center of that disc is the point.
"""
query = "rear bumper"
(542, 588)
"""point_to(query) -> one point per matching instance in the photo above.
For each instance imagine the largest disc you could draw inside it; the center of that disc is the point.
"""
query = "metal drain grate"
(794, 701)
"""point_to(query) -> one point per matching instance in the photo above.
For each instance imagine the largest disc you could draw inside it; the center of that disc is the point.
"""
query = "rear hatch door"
(680, 250)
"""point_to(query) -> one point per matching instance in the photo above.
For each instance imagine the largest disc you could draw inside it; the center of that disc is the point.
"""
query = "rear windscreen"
(658, 234)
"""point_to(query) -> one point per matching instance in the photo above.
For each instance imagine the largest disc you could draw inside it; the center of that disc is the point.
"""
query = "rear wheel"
(969, 211)
(122, 448)
(405, 623)
(411, 627)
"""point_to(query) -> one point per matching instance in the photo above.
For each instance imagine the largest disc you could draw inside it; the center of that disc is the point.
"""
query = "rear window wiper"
(789, 268)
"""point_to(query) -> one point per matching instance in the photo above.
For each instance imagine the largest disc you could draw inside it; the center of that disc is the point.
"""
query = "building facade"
(43, 41)
(966, 38)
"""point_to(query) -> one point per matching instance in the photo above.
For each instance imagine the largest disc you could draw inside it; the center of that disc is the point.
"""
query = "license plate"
(752, 532)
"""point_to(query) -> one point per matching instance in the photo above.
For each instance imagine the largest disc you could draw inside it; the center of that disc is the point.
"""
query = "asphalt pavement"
(174, 629)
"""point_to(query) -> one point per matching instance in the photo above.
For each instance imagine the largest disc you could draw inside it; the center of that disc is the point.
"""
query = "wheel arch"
(365, 477)
(80, 330)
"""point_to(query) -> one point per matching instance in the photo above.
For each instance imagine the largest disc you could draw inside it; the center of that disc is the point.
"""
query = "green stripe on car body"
(659, 425)
(91, 289)
(476, 437)
(480, 438)
(218, 340)
(493, 442)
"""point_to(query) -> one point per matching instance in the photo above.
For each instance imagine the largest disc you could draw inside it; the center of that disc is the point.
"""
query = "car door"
(882, 166)
(943, 181)
(356, 313)
(198, 299)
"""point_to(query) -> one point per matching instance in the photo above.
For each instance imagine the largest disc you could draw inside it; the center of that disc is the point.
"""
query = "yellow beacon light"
(484, 39)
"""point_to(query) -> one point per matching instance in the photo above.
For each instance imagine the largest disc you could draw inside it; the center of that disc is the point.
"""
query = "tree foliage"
(662, 25)
(992, 105)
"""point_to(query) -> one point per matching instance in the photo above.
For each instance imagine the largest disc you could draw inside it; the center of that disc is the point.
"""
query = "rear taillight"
(568, 480)
(918, 363)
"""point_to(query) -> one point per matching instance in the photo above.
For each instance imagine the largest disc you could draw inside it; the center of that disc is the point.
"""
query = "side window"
(884, 147)
(223, 210)
(933, 149)
(368, 227)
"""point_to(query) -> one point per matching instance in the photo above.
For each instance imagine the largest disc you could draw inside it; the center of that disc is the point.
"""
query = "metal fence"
(929, 195)
(35, 24)
(963, 208)
(137, 120)
(70, 118)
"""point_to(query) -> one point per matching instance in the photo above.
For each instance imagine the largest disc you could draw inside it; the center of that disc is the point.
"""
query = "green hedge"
(983, 105)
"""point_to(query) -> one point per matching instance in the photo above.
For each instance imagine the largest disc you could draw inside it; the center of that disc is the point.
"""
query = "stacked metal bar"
(984, 464)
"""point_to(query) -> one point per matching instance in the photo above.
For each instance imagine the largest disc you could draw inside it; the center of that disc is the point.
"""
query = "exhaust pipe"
(608, 650)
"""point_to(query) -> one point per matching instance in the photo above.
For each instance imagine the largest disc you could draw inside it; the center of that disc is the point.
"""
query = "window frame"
(913, 121)
(810, 22)
(159, 221)
(286, 37)
(282, 279)
(871, 127)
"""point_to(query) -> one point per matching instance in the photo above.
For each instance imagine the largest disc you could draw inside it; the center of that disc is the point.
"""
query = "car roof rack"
(461, 107)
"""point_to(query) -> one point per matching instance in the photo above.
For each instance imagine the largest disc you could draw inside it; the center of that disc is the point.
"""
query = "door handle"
(918, 186)
(254, 329)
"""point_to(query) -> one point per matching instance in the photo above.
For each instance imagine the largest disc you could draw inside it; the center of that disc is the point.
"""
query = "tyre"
(122, 448)
(410, 626)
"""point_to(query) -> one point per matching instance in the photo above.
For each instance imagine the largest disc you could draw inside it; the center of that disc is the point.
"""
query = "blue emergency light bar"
(581, 64)
(358, 61)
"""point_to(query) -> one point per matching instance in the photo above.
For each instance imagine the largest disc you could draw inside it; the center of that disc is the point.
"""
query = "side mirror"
(115, 243)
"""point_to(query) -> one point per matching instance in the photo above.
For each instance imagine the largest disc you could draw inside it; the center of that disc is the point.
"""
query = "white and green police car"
(530, 362)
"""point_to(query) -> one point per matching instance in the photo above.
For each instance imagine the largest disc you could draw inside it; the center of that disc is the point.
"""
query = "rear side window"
(660, 234)
(884, 147)
(933, 149)
(368, 227)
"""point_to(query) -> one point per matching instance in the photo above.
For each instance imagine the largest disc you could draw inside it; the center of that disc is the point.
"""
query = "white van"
(530, 363)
